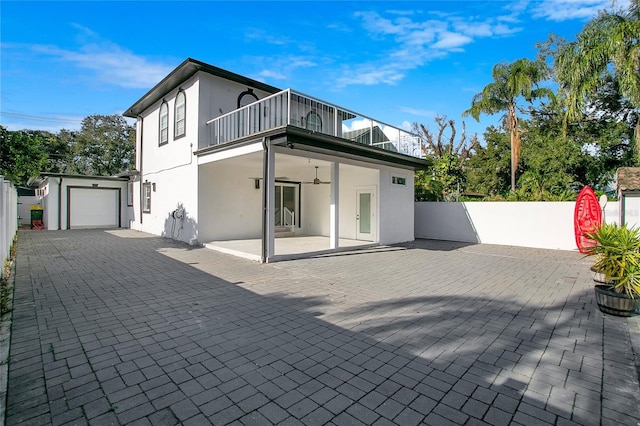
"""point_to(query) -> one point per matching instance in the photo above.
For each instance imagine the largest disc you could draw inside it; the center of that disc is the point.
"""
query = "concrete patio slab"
(120, 327)
(285, 248)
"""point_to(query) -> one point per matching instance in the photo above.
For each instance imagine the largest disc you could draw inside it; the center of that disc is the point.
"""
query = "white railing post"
(288, 107)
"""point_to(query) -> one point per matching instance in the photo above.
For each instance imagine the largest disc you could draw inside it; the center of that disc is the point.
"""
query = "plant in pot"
(616, 268)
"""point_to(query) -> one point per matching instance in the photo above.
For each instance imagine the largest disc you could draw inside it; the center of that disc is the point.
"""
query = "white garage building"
(74, 201)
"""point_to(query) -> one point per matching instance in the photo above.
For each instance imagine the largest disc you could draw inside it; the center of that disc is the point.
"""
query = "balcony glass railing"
(296, 109)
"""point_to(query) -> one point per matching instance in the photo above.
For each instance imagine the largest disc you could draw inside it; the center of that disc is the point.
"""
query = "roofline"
(71, 176)
(182, 73)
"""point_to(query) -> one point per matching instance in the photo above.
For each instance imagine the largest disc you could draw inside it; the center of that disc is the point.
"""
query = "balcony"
(296, 109)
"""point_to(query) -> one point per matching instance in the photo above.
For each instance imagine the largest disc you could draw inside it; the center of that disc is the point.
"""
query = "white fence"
(546, 225)
(8, 218)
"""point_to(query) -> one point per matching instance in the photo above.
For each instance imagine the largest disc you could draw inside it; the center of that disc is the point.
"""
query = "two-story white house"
(234, 163)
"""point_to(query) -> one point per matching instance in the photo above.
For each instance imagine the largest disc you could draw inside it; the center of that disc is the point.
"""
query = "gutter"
(60, 204)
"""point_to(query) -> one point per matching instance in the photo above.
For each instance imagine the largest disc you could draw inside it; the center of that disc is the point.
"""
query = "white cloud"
(272, 74)
(109, 62)
(416, 41)
(419, 112)
(280, 67)
(563, 10)
(449, 41)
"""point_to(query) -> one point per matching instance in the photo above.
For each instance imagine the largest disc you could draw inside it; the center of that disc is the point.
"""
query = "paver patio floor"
(120, 327)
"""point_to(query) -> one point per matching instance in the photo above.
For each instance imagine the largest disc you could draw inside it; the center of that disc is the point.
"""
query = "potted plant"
(616, 268)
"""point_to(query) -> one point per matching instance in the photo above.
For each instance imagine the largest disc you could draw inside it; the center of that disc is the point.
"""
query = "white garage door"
(93, 208)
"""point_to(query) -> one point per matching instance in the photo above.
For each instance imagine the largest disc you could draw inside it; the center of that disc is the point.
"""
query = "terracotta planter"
(618, 304)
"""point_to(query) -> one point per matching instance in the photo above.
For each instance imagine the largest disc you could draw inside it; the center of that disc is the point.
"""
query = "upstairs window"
(247, 97)
(313, 122)
(180, 109)
(164, 124)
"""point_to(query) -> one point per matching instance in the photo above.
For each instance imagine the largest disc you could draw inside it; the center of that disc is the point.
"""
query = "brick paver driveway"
(119, 327)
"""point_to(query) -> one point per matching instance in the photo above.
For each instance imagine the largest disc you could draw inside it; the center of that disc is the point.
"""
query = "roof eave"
(182, 73)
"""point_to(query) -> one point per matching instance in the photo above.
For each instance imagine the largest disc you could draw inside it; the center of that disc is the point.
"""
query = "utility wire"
(39, 118)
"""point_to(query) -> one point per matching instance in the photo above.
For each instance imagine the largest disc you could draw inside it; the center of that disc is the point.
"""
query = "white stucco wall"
(231, 205)
(396, 207)
(173, 169)
(315, 208)
(527, 224)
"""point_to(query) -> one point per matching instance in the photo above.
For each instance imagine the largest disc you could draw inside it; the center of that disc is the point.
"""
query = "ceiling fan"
(316, 181)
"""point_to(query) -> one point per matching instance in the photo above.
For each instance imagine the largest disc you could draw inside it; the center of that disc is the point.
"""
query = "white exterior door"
(93, 207)
(365, 214)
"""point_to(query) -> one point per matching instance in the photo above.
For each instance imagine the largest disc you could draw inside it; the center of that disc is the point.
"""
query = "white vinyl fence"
(546, 225)
(8, 218)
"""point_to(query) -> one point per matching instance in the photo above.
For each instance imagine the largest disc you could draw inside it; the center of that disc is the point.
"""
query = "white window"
(180, 108)
(129, 193)
(164, 124)
(146, 197)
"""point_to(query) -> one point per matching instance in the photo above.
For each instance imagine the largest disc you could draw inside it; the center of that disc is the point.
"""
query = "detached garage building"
(75, 201)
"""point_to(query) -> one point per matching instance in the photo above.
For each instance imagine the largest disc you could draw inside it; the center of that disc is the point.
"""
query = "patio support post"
(334, 231)
(268, 202)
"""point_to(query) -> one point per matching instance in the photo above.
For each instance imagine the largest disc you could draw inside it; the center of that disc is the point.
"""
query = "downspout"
(266, 146)
(60, 204)
(141, 139)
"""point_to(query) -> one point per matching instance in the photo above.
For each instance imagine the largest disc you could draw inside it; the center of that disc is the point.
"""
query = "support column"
(268, 225)
(334, 208)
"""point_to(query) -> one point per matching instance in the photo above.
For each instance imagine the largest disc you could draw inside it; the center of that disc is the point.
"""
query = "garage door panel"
(93, 208)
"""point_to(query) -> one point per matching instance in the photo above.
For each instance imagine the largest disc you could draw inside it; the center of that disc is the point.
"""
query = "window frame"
(247, 93)
(146, 197)
(130, 193)
(176, 119)
(163, 107)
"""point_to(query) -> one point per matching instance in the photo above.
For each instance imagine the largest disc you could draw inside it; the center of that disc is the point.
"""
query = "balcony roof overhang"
(305, 140)
(182, 73)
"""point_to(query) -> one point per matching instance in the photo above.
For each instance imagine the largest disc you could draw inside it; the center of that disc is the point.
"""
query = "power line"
(39, 118)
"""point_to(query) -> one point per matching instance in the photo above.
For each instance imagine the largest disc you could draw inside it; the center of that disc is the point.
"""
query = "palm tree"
(511, 81)
(609, 44)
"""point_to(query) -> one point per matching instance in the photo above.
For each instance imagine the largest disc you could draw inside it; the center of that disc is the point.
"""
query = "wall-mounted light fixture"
(153, 186)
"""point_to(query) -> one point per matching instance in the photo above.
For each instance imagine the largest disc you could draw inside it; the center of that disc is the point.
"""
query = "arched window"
(313, 122)
(247, 97)
(180, 117)
(164, 124)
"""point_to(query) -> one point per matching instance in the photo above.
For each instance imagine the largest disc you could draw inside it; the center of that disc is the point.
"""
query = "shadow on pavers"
(108, 329)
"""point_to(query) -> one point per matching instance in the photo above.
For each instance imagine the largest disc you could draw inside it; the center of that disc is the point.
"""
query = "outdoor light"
(257, 183)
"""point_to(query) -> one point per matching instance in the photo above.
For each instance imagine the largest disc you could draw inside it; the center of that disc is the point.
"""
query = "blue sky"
(398, 62)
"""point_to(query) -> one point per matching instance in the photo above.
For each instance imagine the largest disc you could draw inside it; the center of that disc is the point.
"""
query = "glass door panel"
(278, 206)
(364, 225)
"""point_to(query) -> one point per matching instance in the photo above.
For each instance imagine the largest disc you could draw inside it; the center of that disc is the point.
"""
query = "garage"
(92, 207)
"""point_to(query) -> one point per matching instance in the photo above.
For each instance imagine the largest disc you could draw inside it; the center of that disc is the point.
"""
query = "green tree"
(104, 146)
(21, 155)
(607, 45)
(446, 178)
(487, 171)
(512, 81)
